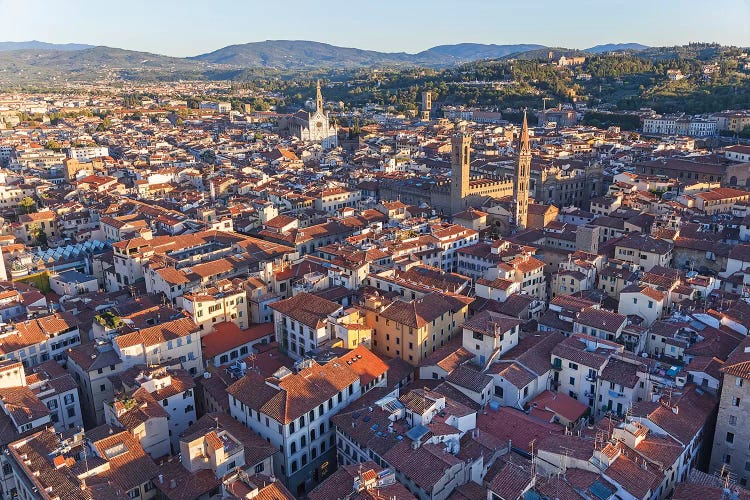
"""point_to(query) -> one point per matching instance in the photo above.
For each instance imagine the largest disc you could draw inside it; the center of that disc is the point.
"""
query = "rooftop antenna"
(252, 357)
(629, 413)
(669, 395)
(86, 464)
(599, 439)
(567, 454)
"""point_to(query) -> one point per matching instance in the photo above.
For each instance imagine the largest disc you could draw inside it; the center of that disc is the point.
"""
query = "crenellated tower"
(460, 170)
(523, 173)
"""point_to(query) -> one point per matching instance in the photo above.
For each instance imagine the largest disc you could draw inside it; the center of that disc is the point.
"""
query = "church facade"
(315, 126)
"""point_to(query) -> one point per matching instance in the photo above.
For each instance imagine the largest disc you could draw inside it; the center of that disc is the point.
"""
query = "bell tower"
(319, 99)
(523, 173)
(460, 161)
(426, 105)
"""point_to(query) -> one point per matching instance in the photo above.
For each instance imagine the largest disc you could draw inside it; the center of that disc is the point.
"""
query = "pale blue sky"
(191, 27)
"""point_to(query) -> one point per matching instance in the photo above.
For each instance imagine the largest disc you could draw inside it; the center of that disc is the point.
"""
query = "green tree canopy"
(53, 145)
(27, 204)
(37, 234)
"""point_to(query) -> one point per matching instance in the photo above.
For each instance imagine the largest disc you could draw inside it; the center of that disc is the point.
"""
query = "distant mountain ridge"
(474, 51)
(80, 62)
(616, 47)
(302, 53)
(37, 45)
(92, 63)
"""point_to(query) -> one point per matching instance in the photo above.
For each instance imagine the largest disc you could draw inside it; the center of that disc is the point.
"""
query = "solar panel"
(416, 432)
(600, 491)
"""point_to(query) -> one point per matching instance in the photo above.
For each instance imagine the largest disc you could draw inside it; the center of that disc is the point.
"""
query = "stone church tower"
(523, 172)
(315, 126)
(319, 99)
(426, 105)
(460, 161)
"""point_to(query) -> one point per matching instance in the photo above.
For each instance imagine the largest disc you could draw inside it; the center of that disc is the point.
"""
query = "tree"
(37, 234)
(53, 145)
(27, 204)
(260, 104)
(104, 125)
(208, 156)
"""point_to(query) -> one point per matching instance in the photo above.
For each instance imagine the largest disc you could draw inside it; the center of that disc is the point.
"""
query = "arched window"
(733, 180)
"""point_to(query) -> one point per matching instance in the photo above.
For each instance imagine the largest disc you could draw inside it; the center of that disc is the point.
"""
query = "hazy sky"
(191, 27)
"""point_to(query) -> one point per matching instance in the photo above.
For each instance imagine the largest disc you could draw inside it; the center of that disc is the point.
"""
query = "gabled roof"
(365, 364)
(227, 335)
(130, 468)
(682, 416)
(308, 309)
(602, 319)
(425, 466)
(158, 334)
(491, 323)
(419, 312)
(256, 448)
(292, 396)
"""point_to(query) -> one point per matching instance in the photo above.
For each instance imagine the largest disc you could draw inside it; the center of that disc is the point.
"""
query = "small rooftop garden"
(108, 319)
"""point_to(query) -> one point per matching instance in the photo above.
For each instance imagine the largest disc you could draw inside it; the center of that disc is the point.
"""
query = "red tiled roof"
(308, 309)
(365, 364)
(425, 466)
(158, 334)
(296, 393)
(227, 335)
(561, 404)
(507, 424)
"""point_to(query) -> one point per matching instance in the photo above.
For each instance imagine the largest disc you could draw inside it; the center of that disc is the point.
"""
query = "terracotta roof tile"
(308, 309)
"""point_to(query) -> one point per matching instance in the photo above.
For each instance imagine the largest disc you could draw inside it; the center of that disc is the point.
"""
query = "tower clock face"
(319, 124)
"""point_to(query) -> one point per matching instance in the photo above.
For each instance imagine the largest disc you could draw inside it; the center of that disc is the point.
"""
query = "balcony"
(591, 377)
